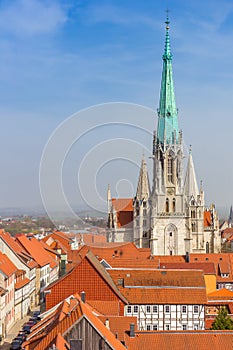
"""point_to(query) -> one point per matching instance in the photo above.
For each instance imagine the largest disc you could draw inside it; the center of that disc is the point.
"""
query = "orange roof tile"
(37, 251)
(119, 325)
(6, 265)
(22, 283)
(162, 277)
(207, 267)
(109, 308)
(221, 294)
(161, 286)
(122, 204)
(207, 219)
(201, 340)
(73, 309)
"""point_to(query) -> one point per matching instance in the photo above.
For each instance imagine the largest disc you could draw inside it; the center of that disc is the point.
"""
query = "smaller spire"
(143, 189)
(230, 220)
(190, 184)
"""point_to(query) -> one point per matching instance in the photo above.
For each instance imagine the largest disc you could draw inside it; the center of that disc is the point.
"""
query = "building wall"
(168, 317)
(91, 339)
(210, 282)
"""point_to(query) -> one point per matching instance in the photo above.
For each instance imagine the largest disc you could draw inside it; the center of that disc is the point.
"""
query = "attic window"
(120, 281)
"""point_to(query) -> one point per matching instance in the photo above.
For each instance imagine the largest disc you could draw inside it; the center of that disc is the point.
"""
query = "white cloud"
(31, 17)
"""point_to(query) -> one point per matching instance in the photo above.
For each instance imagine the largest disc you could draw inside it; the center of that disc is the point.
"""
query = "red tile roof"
(122, 204)
(109, 308)
(22, 283)
(37, 251)
(207, 267)
(119, 325)
(7, 266)
(207, 219)
(63, 318)
(201, 340)
(161, 286)
(18, 249)
(158, 278)
(221, 294)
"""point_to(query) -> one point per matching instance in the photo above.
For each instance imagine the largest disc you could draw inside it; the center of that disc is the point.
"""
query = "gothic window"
(207, 247)
(193, 214)
(174, 205)
(169, 169)
(144, 234)
(137, 212)
(144, 212)
(167, 205)
(144, 204)
(193, 227)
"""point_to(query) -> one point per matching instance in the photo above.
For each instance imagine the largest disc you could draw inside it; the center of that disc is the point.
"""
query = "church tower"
(171, 217)
(177, 207)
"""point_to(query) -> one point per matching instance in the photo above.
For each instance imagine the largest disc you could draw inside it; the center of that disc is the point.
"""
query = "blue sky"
(58, 57)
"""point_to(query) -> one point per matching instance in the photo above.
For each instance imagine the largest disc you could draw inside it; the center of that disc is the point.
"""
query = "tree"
(222, 321)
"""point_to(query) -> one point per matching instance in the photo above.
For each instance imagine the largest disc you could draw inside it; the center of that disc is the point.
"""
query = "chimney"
(83, 297)
(76, 344)
(107, 323)
(187, 257)
(132, 330)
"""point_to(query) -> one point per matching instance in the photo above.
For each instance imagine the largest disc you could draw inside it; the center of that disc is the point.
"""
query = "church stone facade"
(170, 216)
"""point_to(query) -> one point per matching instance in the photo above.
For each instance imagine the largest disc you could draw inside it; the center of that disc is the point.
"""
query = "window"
(174, 205)
(167, 205)
(167, 309)
(144, 222)
(148, 327)
(207, 247)
(169, 169)
(170, 234)
(144, 212)
(193, 227)
(135, 309)
(129, 309)
(193, 214)
(195, 327)
(184, 326)
(167, 327)
(170, 252)
(155, 309)
(184, 309)
(196, 309)
(144, 234)
(155, 327)
(144, 204)
(148, 310)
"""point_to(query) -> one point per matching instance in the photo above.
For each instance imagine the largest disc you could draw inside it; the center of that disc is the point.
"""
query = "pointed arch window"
(167, 205)
(169, 169)
(174, 205)
(193, 227)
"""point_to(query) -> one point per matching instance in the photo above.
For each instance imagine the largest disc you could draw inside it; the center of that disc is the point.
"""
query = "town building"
(170, 217)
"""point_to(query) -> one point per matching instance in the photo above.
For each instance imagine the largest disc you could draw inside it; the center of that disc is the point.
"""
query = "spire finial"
(167, 22)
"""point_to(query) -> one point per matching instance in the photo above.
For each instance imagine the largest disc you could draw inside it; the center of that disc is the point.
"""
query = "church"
(169, 217)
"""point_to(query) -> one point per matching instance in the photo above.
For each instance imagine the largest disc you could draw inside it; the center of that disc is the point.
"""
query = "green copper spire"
(168, 130)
